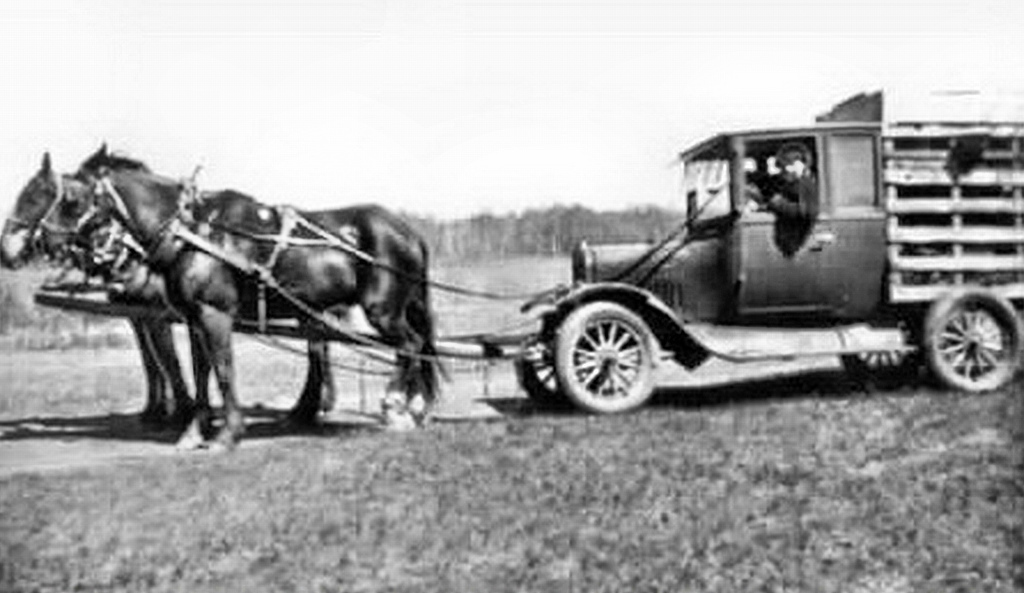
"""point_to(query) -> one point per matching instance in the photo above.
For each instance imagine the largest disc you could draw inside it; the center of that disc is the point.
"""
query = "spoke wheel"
(604, 358)
(883, 370)
(535, 370)
(973, 341)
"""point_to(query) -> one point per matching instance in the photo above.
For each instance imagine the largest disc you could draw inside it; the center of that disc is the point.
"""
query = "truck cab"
(732, 269)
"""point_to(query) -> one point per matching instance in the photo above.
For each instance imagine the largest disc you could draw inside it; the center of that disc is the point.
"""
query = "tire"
(972, 341)
(883, 370)
(604, 358)
(535, 371)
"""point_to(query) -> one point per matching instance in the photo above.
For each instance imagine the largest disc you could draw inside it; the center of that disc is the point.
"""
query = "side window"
(706, 186)
(761, 166)
(851, 160)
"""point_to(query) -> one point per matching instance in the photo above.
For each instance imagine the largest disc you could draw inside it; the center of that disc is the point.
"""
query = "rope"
(278, 344)
(272, 342)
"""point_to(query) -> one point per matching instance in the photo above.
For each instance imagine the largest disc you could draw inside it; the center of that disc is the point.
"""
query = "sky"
(450, 108)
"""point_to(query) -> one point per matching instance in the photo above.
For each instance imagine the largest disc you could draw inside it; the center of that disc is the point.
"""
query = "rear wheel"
(883, 370)
(972, 341)
(604, 358)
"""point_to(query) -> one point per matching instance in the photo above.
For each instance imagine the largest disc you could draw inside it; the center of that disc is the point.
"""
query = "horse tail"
(421, 318)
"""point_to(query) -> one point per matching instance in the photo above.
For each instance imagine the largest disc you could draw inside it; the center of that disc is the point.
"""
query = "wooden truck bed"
(947, 231)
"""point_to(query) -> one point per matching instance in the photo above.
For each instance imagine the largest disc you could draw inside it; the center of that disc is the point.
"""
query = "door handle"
(821, 239)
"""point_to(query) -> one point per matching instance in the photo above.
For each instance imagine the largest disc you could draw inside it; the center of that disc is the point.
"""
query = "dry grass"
(812, 489)
(915, 492)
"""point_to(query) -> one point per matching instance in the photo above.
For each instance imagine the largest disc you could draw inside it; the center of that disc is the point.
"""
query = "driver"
(793, 198)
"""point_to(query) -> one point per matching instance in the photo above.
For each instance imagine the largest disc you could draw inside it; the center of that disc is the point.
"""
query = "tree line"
(544, 231)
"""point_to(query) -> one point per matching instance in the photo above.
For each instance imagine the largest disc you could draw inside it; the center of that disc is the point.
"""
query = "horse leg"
(162, 339)
(428, 368)
(155, 411)
(216, 327)
(403, 386)
(318, 393)
(195, 433)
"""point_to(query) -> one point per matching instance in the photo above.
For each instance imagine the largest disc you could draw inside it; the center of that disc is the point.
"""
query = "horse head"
(44, 216)
(126, 192)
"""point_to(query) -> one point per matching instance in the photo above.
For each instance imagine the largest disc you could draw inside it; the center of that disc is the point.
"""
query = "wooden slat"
(972, 234)
(930, 292)
(950, 206)
(937, 175)
(937, 155)
(938, 130)
(963, 263)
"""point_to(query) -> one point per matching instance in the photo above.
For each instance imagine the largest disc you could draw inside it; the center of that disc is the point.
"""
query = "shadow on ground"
(261, 423)
(269, 423)
(819, 384)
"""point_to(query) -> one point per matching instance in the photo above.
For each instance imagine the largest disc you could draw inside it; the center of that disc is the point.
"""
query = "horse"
(44, 223)
(48, 220)
(210, 280)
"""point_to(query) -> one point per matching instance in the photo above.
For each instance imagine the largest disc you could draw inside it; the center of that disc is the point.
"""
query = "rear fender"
(664, 324)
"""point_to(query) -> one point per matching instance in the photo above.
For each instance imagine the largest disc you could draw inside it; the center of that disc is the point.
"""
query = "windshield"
(706, 189)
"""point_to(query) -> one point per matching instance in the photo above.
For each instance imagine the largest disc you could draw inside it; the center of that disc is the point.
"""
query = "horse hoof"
(190, 443)
(395, 421)
(192, 439)
(226, 441)
(222, 446)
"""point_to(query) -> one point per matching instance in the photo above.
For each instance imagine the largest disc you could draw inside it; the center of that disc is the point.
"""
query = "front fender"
(669, 330)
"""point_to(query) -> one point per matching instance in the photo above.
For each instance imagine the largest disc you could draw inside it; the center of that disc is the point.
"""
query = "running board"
(749, 344)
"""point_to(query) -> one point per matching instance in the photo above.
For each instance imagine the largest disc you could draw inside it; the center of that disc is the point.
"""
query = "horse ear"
(45, 167)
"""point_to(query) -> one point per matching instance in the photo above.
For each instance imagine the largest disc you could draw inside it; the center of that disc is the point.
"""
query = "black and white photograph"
(513, 296)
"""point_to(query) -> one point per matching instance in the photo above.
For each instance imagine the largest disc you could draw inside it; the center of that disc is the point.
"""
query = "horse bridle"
(44, 223)
(161, 246)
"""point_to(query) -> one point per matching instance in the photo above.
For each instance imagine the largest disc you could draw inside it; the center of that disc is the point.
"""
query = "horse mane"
(102, 158)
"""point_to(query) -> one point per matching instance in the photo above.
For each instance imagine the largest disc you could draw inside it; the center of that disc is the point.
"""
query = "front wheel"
(972, 341)
(604, 358)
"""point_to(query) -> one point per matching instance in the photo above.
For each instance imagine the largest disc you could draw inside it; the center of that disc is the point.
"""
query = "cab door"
(838, 271)
(771, 284)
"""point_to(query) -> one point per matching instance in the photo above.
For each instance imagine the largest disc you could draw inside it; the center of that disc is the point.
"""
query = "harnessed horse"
(223, 273)
(53, 216)
(45, 222)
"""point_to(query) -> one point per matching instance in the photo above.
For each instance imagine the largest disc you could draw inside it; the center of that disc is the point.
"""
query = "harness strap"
(289, 219)
(180, 231)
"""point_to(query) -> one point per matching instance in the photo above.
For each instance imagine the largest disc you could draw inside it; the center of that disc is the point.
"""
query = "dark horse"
(43, 223)
(46, 221)
(385, 273)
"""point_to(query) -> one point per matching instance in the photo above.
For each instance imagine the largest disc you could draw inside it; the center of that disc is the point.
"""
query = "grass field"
(798, 484)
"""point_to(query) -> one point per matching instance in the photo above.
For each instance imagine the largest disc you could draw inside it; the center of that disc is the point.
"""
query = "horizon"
(448, 109)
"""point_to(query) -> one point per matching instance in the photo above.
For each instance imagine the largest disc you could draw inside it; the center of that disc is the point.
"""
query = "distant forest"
(547, 231)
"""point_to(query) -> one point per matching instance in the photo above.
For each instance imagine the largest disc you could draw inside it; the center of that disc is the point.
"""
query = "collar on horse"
(173, 233)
